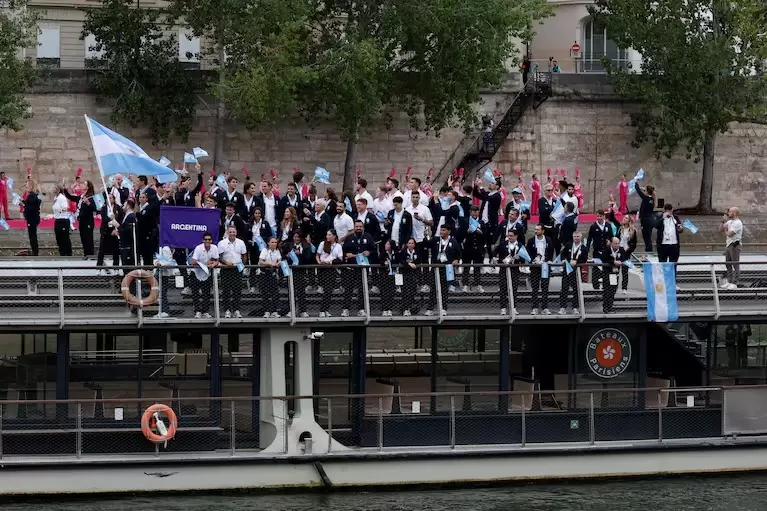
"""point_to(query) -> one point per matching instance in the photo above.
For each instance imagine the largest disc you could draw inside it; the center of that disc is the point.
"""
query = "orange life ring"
(148, 423)
(148, 278)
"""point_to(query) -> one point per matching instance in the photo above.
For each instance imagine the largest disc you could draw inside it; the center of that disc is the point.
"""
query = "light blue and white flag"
(558, 214)
(473, 224)
(444, 203)
(189, 158)
(348, 204)
(322, 175)
(10, 182)
(98, 200)
(198, 152)
(628, 264)
(164, 161)
(488, 176)
(15, 199)
(545, 270)
(116, 154)
(524, 255)
(568, 268)
(525, 204)
(362, 260)
(4, 224)
(639, 175)
(221, 181)
(285, 268)
(450, 273)
(660, 287)
(690, 226)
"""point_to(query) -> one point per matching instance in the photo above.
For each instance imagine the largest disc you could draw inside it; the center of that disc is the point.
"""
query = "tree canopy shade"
(18, 30)
(141, 73)
(259, 48)
(701, 70)
(430, 58)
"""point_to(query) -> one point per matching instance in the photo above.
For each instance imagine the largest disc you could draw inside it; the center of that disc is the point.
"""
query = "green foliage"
(18, 30)
(259, 48)
(430, 58)
(141, 74)
(698, 72)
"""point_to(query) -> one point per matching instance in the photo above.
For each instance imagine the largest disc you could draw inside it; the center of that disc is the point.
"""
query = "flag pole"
(101, 170)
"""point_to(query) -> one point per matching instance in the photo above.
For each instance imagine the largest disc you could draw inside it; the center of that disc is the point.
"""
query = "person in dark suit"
(228, 196)
(290, 200)
(389, 267)
(232, 219)
(86, 209)
(575, 253)
(320, 222)
(669, 228)
(300, 246)
(646, 213)
(600, 234)
(540, 248)
(126, 233)
(251, 200)
(507, 253)
(185, 196)
(257, 240)
(31, 204)
(569, 225)
(612, 261)
(409, 260)
(473, 250)
(488, 210)
(545, 208)
(370, 223)
(147, 237)
(399, 224)
(513, 222)
(359, 243)
(445, 250)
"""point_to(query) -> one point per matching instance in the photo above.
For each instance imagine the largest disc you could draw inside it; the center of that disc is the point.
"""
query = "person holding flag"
(474, 247)
(612, 258)
(540, 249)
(628, 242)
(574, 253)
(507, 253)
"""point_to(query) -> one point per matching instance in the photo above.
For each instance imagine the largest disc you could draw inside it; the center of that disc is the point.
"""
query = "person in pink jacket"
(4, 196)
(623, 194)
(535, 191)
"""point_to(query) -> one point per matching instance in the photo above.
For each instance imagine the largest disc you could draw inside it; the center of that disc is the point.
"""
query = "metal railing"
(601, 414)
(47, 296)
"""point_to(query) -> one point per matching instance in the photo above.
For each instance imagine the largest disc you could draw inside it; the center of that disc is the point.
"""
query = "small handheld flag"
(488, 175)
(199, 152)
(690, 226)
(189, 158)
(165, 161)
(322, 175)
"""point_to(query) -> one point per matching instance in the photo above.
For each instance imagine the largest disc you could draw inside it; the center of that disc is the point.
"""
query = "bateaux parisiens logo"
(608, 353)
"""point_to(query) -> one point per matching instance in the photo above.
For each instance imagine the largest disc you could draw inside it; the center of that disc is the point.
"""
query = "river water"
(732, 493)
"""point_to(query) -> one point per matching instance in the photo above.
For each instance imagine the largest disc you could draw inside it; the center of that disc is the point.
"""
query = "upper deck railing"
(61, 297)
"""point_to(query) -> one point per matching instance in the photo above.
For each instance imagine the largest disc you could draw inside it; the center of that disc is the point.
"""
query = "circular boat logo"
(608, 353)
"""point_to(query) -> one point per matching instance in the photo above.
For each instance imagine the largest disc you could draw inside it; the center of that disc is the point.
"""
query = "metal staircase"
(483, 147)
(687, 336)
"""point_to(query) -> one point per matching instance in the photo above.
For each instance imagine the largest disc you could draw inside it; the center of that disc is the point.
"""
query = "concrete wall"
(584, 126)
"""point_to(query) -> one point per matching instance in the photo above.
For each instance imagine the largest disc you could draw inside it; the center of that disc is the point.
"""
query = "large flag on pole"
(115, 154)
(660, 286)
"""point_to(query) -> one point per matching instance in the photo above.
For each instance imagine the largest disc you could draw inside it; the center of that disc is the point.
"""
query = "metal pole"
(660, 419)
(452, 421)
(380, 422)
(1, 431)
(366, 294)
(717, 308)
(61, 297)
(330, 425)
(438, 288)
(579, 287)
(216, 302)
(79, 432)
(524, 422)
(232, 429)
(286, 428)
(510, 289)
(592, 433)
(292, 298)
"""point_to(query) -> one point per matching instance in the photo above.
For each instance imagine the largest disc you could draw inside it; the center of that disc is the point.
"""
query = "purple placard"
(183, 227)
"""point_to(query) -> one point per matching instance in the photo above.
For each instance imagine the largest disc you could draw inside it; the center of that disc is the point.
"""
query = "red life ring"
(148, 423)
(148, 278)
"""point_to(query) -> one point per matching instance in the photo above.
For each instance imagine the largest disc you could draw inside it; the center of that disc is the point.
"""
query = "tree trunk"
(705, 204)
(219, 159)
(350, 166)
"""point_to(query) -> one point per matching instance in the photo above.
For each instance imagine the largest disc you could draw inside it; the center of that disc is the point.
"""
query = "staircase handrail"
(472, 139)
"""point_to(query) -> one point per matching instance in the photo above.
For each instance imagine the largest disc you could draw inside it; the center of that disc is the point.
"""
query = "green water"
(736, 493)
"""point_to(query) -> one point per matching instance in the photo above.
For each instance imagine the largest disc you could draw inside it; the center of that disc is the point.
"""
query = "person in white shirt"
(414, 185)
(231, 256)
(342, 223)
(392, 188)
(669, 228)
(329, 252)
(381, 206)
(269, 261)
(569, 196)
(732, 226)
(270, 204)
(204, 261)
(61, 224)
(362, 193)
(166, 267)
(422, 224)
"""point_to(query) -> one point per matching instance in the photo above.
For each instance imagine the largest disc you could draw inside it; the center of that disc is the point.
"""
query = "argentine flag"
(115, 154)
(660, 286)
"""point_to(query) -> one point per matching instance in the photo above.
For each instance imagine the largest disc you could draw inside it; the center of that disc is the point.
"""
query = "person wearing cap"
(516, 203)
(545, 208)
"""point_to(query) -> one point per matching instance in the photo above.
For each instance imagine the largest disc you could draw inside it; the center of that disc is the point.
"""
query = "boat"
(371, 400)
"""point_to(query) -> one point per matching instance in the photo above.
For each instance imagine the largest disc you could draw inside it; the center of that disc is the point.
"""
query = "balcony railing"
(527, 419)
(77, 296)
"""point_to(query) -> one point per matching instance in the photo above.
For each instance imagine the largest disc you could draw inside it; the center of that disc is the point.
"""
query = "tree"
(258, 50)
(141, 74)
(18, 30)
(699, 62)
(430, 58)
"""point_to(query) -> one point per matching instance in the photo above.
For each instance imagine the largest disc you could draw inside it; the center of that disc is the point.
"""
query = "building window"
(48, 46)
(188, 49)
(596, 45)
(93, 57)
